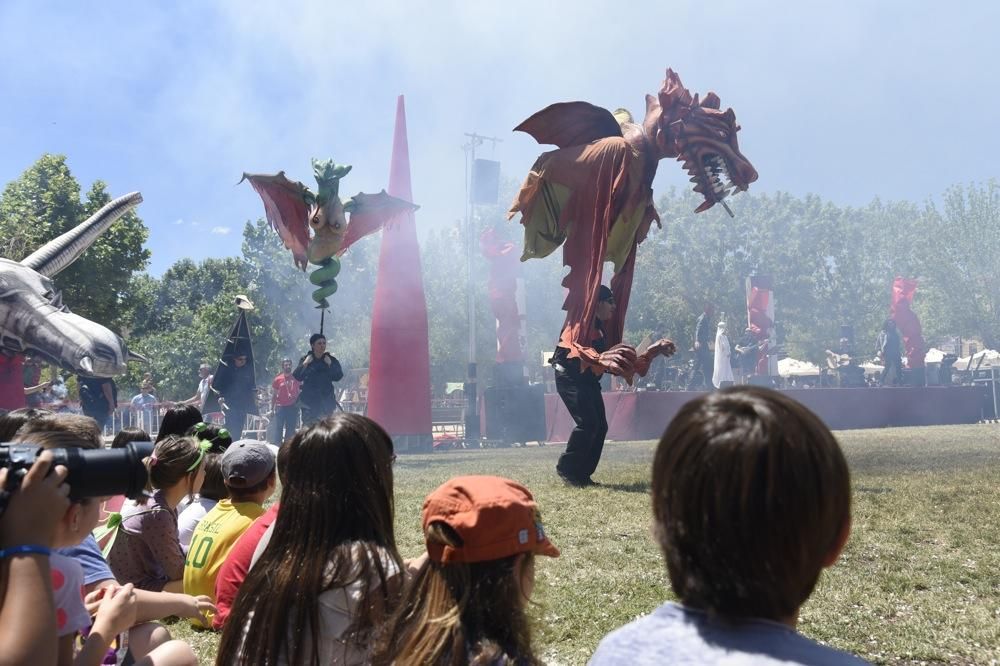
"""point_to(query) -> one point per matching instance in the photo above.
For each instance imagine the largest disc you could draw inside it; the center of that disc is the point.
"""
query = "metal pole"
(472, 425)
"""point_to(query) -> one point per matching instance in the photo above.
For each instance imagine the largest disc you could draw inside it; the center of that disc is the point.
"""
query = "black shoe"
(571, 480)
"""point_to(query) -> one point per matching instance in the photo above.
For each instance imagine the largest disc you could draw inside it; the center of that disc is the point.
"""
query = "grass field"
(918, 583)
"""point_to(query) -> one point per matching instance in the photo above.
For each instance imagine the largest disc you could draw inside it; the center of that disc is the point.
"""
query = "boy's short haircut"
(751, 494)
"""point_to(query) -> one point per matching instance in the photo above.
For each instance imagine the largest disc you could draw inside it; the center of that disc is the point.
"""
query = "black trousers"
(287, 422)
(703, 365)
(235, 420)
(582, 397)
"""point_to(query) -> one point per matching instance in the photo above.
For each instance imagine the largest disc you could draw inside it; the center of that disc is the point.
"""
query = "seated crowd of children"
(750, 498)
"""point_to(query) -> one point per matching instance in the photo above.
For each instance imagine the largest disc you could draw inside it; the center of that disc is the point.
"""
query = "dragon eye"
(722, 134)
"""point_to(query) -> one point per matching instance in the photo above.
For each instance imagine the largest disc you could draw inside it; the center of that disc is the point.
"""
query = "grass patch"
(919, 580)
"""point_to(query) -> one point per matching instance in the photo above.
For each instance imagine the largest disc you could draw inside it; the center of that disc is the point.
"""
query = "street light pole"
(472, 424)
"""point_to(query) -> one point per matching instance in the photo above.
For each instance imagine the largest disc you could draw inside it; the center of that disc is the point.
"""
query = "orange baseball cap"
(495, 518)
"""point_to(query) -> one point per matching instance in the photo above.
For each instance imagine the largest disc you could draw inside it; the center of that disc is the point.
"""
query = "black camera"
(92, 472)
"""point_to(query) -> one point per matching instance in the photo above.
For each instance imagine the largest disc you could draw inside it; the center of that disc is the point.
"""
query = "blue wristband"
(24, 550)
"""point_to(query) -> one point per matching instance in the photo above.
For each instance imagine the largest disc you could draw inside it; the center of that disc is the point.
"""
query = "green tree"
(44, 203)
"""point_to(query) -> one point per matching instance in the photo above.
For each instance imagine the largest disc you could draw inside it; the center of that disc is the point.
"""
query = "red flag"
(906, 320)
(399, 394)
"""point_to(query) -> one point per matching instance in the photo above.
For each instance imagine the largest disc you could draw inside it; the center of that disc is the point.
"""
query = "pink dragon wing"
(570, 124)
(286, 208)
(369, 213)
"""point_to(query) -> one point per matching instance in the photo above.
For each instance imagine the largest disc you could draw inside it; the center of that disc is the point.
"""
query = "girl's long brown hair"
(337, 499)
(459, 614)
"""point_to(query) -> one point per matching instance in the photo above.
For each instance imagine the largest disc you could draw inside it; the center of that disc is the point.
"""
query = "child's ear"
(73, 516)
(838, 545)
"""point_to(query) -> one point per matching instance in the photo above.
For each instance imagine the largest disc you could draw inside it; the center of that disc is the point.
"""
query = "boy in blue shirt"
(751, 501)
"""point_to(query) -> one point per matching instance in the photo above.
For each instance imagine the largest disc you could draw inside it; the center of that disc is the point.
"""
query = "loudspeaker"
(485, 181)
(515, 414)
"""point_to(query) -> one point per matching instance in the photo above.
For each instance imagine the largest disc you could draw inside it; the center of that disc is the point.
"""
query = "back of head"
(177, 420)
(61, 431)
(335, 527)
(129, 434)
(751, 495)
(467, 603)
(174, 459)
(12, 421)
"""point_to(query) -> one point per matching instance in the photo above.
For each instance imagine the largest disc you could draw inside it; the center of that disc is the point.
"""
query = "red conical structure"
(399, 387)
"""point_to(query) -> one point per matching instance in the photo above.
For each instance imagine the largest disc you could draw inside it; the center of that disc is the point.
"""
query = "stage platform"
(645, 414)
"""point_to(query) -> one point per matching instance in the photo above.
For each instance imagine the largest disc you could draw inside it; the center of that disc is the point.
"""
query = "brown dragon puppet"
(594, 197)
(292, 209)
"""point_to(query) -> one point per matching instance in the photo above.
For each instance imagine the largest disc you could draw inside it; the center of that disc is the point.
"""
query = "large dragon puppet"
(33, 318)
(292, 209)
(594, 196)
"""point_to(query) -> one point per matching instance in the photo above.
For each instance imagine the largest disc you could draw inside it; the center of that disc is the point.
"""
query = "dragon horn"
(135, 356)
(60, 252)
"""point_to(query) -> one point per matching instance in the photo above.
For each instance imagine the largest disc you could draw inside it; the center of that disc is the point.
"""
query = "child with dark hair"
(145, 549)
(248, 471)
(751, 501)
(466, 604)
(329, 572)
(129, 434)
(213, 490)
(177, 420)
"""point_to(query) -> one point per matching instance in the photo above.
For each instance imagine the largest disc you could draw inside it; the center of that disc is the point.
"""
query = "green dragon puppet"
(292, 209)
(593, 196)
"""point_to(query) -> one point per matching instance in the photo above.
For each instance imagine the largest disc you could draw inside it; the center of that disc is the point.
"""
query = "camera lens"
(96, 473)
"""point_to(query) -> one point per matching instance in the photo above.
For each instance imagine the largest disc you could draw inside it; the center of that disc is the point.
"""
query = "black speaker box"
(485, 181)
(515, 414)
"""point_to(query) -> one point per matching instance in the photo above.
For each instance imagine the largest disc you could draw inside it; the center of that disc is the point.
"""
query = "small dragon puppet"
(593, 196)
(292, 209)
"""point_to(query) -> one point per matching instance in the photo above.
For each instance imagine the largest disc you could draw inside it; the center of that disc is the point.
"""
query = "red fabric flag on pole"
(907, 322)
(399, 393)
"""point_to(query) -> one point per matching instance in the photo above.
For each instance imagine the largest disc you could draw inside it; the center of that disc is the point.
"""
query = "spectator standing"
(284, 403)
(143, 406)
(200, 398)
(701, 374)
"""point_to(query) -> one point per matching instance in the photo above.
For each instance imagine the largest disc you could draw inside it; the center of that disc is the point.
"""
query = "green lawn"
(918, 583)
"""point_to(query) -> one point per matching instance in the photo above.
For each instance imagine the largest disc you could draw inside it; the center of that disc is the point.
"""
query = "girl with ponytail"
(143, 546)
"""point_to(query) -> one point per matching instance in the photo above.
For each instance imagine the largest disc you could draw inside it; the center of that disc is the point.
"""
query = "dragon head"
(34, 319)
(700, 136)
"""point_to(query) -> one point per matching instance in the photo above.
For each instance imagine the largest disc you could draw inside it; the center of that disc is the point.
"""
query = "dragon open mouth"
(713, 179)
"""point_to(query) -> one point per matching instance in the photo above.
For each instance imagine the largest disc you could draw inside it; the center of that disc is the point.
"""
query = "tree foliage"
(44, 203)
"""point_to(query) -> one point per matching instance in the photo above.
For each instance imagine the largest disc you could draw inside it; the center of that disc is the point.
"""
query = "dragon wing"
(287, 209)
(369, 213)
(570, 124)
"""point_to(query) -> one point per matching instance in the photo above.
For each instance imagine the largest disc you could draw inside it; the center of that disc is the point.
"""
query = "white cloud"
(179, 221)
(221, 231)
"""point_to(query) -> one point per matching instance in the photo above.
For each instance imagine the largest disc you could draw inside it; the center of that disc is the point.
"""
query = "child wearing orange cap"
(466, 604)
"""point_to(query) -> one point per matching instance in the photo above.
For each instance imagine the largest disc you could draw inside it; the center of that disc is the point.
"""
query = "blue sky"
(848, 100)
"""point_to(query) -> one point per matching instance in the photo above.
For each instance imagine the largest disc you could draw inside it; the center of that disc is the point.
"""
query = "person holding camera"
(28, 527)
(317, 371)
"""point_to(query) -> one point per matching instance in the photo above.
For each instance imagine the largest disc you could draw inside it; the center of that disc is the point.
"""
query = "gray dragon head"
(33, 318)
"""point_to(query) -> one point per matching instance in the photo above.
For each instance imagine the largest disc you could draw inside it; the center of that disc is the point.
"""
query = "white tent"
(790, 367)
(990, 357)
(933, 355)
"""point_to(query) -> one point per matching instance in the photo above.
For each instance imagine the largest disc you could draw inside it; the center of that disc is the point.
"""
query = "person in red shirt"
(283, 401)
